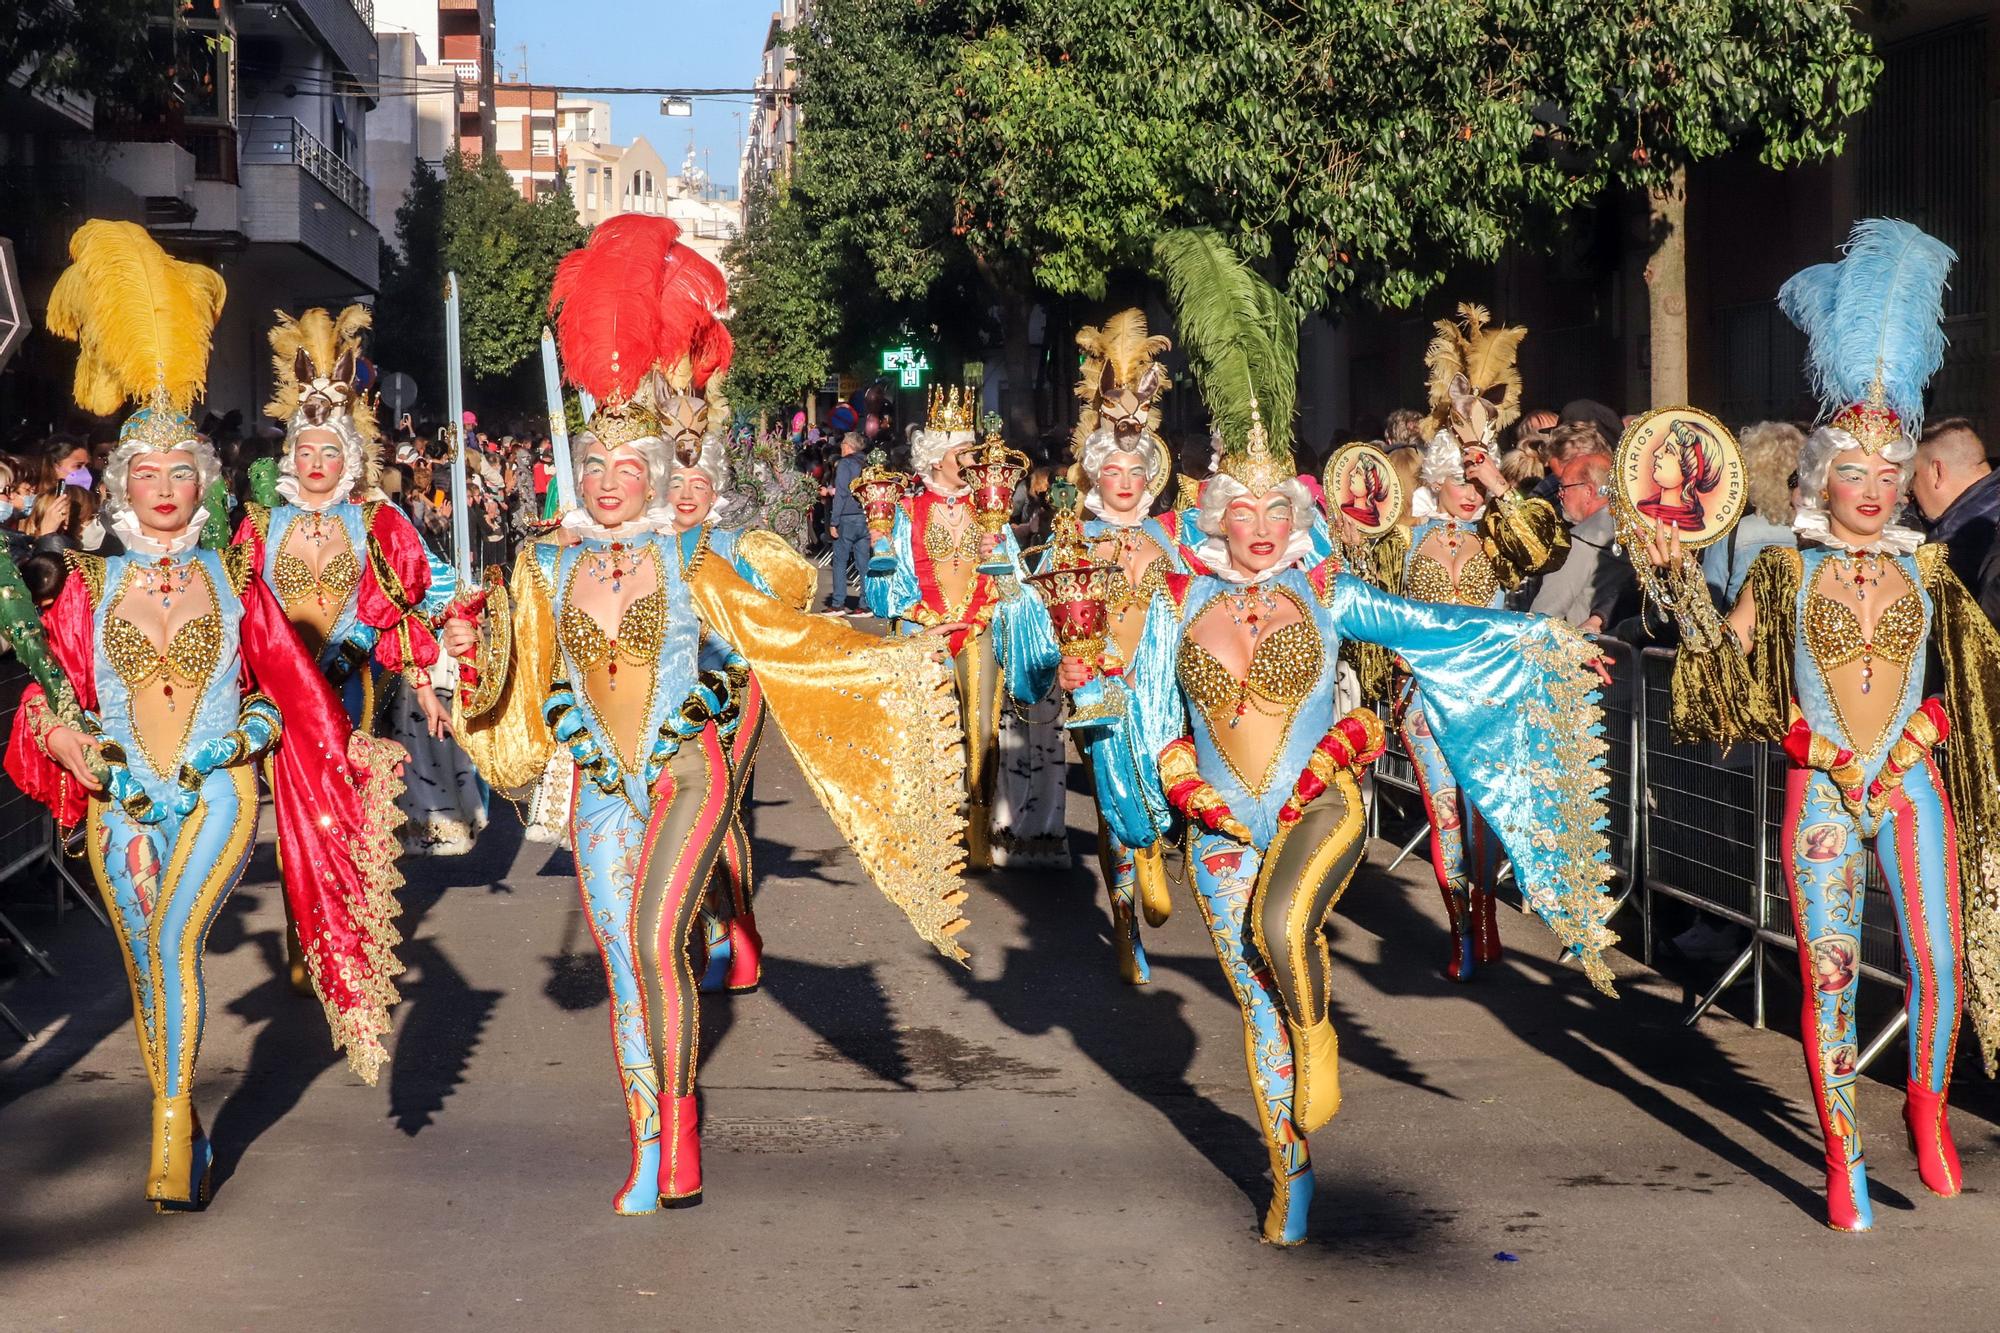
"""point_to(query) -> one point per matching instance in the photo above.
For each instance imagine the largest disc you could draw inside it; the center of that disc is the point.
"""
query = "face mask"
(78, 477)
(6, 509)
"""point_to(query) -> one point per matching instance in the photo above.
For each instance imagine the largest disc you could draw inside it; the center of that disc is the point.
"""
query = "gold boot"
(178, 1177)
(1315, 1074)
(1149, 871)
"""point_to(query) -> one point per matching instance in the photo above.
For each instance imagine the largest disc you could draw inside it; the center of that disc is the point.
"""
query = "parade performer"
(1824, 653)
(597, 646)
(1242, 737)
(697, 491)
(1126, 466)
(181, 673)
(347, 566)
(935, 589)
(1474, 540)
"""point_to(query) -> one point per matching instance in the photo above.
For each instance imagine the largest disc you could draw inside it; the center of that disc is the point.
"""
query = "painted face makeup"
(613, 485)
(162, 491)
(1862, 493)
(692, 496)
(1257, 530)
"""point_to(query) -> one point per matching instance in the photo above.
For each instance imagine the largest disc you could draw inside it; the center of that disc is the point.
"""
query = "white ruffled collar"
(941, 493)
(1424, 505)
(660, 518)
(126, 524)
(1812, 525)
(1214, 553)
(288, 487)
(1095, 504)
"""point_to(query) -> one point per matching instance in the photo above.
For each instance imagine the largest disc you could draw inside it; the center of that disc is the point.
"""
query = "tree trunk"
(1017, 355)
(1666, 291)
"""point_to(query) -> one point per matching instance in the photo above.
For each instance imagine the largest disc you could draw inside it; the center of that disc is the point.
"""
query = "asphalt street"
(897, 1142)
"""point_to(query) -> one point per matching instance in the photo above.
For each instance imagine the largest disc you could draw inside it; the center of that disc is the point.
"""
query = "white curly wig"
(353, 459)
(1816, 459)
(659, 461)
(1103, 444)
(118, 470)
(929, 447)
(1223, 490)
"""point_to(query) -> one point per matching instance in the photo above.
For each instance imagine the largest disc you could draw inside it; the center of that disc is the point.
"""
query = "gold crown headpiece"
(159, 425)
(950, 410)
(1872, 423)
(624, 421)
(1256, 467)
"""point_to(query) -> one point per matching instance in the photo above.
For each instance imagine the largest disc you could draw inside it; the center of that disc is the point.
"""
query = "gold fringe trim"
(360, 1030)
(1575, 907)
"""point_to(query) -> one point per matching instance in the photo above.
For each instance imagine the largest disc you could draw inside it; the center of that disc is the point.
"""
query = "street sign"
(908, 364)
(399, 391)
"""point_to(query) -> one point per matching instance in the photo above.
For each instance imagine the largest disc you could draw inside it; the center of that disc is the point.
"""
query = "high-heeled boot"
(680, 1170)
(1458, 910)
(641, 1194)
(1133, 969)
(1149, 874)
(1485, 929)
(179, 1177)
(1847, 1207)
(1315, 1074)
(746, 954)
(1930, 1139)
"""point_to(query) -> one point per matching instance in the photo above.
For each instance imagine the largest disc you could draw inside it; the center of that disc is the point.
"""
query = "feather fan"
(606, 304)
(1878, 312)
(1241, 335)
(143, 321)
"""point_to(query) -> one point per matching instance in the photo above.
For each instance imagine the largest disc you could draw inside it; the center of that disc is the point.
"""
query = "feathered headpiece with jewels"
(1242, 341)
(144, 323)
(606, 305)
(1874, 322)
(1120, 382)
(314, 359)
(694, 352)
(1473, 380)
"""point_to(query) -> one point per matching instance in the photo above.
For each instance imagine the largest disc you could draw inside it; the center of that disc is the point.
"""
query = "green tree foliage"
(87, 47)
(1357, 150)
(504, 249)
(785, 316)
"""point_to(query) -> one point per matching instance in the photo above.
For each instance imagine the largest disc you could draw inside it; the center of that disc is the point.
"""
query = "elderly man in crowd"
(1959, 494)
(1586, 588)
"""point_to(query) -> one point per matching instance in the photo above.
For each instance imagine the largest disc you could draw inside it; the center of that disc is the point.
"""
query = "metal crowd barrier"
(29, 843)
(1688, 823)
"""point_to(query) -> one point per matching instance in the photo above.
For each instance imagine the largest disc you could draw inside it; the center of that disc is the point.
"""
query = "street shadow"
(847, 1009)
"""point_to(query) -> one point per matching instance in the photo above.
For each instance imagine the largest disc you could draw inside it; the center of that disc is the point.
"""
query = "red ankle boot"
(680, 1161)
(746, 953)
(1484, 927)
(1457, 909)
(1847, 1207)
(1930, 1139)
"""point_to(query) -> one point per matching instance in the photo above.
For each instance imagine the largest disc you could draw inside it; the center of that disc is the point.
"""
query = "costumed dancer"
(1474, 540)
(1825, 653)
(597, 647)
(1126, 466)
(443, 801)
(1232, 716)
(181, 672)
(934, 588)
(698, 491)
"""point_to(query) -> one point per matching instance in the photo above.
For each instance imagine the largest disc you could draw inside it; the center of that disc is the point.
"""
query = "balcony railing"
(366, 9)
(280, 139)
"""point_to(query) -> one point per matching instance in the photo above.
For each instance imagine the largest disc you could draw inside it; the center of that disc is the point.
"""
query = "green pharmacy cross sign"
(908, 363)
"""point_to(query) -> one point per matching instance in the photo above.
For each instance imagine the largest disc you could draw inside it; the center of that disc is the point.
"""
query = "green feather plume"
(264, 483)
(215, 532)
(1240, 333)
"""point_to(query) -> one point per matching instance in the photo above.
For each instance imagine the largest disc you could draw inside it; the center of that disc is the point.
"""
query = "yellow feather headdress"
(1470, 361)
(313, 360)
(143, 322)
(1119, 356)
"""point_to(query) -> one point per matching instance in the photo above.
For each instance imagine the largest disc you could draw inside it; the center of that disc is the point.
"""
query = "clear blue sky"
(645, 43)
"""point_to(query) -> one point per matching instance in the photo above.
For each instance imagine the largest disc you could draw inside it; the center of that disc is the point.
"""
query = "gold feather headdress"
(314, 358)
(1473, 380)
(1120, 381)
(143, 322)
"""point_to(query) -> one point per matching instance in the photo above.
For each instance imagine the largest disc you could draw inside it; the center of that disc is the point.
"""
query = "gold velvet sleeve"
(1523, 537)
(1381, 562)
(511, 744)
(1969, 649)
(874, 726)
(792, 577)
(1726, 696)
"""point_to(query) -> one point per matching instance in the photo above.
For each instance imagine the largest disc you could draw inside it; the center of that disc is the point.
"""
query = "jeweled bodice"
(321, 603)
(1858, 690)
(1428, 579)
(155, 699)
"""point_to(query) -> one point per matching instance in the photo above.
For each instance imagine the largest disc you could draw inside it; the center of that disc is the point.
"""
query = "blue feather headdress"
(1875, 324)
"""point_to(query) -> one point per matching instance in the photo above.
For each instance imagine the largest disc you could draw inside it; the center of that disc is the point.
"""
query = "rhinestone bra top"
(1833, 631)
(294, 580)
(641, 632)
(191, 654)
(1283, 670)
(1430, 581)
(943, 545)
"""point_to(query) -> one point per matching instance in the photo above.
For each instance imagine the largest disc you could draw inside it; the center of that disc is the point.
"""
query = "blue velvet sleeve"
(889, 595)
(723, 541)
(1023, 636)
(1512, 704)
(1126, 760)
(444, 586)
